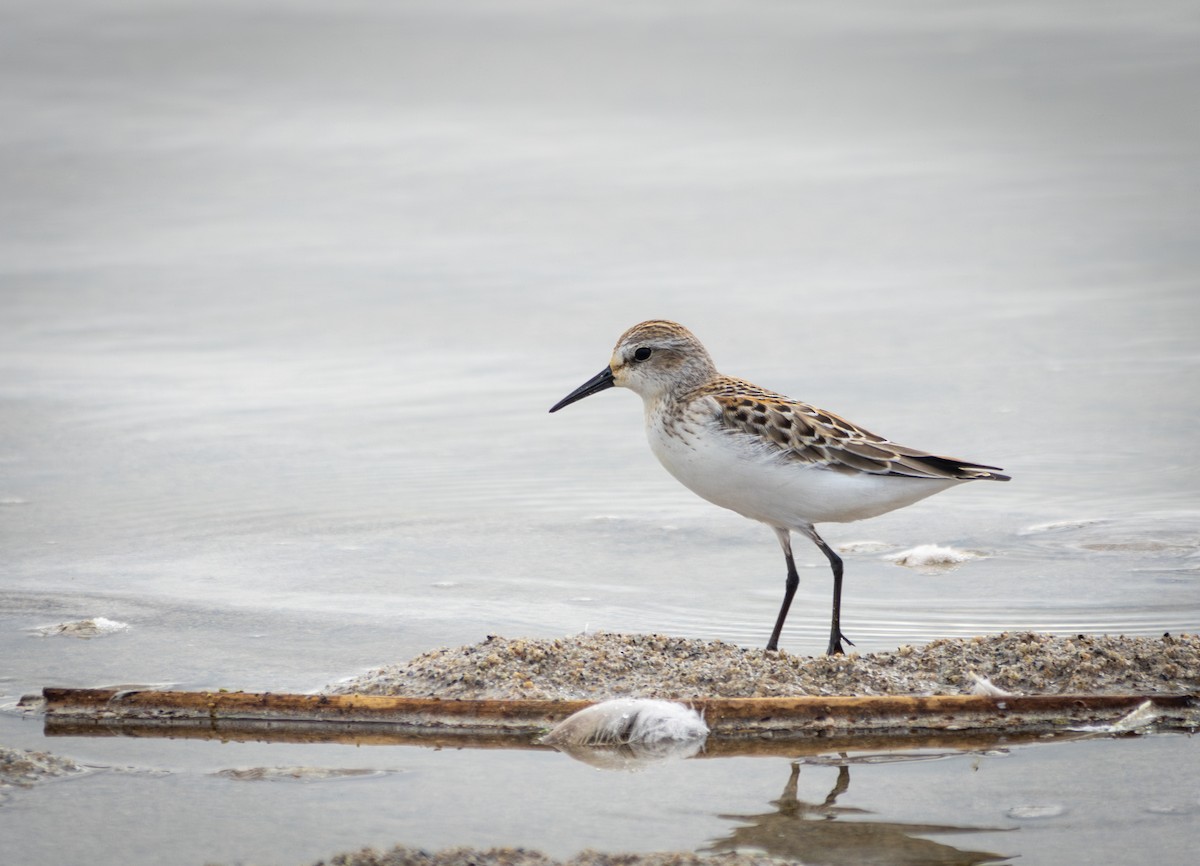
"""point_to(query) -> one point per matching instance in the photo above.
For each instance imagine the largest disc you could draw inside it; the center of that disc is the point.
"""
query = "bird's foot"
(835, 643)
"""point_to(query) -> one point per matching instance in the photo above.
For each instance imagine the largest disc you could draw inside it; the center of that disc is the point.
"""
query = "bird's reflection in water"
(812, 833)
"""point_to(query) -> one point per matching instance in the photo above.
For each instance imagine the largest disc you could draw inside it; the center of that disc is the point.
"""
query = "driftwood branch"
(309, 717)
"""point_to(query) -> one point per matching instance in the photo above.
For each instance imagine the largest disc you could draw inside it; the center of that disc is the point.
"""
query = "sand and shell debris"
(97, 626)
(605, 665)
(296, 774)
(404, 856)
(23, 768)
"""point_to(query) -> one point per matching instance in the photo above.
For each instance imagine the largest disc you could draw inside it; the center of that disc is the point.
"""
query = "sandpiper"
(766, 456)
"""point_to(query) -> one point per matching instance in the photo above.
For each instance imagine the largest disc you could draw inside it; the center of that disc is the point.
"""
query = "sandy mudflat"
(604, 665)
(401, 856)
(607, 665)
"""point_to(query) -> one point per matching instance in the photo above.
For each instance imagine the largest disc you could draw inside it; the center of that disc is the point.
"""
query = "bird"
(768, 457)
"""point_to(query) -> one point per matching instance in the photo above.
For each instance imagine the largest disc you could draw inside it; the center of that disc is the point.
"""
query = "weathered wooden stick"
(730, 717)
(362, 735)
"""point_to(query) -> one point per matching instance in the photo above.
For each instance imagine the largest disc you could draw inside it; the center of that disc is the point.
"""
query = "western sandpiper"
(767, 457)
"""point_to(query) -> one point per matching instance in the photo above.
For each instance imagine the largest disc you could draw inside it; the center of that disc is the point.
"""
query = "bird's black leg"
(793, 581)
(835, 630)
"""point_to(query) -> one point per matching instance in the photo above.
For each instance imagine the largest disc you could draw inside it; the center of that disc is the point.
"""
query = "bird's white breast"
(747, 475)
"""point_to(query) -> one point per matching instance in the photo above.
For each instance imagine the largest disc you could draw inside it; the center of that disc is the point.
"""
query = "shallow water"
(286, 292)
(1104, 800)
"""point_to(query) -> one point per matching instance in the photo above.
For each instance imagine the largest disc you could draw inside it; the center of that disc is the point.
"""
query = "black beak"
(602, 381)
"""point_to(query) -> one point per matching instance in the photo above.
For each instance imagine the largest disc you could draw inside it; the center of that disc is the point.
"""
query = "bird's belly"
(763, 485)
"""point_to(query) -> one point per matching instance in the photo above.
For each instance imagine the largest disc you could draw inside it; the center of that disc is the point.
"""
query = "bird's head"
(652, 359)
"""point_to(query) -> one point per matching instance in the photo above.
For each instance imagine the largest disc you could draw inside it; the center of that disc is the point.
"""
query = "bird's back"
(787, 463)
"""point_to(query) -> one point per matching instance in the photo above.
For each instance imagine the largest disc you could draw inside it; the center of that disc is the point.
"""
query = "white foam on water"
(932, 557)
(97, 626)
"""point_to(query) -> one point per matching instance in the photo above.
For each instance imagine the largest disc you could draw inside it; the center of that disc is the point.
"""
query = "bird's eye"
(641, 354)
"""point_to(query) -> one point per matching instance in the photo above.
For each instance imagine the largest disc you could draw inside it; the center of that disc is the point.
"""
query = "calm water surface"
(287, 289)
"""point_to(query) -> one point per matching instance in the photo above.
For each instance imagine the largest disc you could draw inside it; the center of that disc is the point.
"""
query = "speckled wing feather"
(810, 435)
